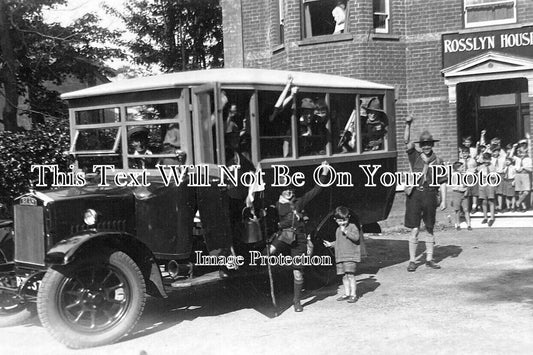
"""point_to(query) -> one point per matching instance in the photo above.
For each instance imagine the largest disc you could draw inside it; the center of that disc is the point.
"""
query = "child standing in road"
(508, 184)
(486, 191)
(347, 252)
(460, 199)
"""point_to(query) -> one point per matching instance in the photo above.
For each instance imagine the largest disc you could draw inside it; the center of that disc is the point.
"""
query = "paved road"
(481, 302)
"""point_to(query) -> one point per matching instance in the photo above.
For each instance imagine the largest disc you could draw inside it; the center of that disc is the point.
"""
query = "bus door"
(208, 136)
(208, 143)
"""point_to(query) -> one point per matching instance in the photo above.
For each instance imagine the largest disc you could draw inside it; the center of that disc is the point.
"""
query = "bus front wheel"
(93, 301)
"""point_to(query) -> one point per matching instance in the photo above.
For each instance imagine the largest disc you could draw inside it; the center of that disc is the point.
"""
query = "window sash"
(386, 14)
(490, 5)
(306, 21)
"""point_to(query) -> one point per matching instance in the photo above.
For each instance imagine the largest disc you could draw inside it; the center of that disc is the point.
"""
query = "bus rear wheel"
(93, 301)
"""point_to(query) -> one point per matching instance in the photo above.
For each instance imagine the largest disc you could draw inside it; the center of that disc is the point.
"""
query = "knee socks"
(298, 285)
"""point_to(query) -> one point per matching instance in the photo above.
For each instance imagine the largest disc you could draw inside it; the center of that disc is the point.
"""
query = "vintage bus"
(87, 250)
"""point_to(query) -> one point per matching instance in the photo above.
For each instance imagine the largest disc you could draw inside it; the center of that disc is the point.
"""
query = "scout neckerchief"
(427, 162)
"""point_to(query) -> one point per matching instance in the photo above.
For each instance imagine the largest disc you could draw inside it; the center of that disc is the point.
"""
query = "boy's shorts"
(487, 192)
(499, 187)
(421, 205)
(457, 197)
(345, 267)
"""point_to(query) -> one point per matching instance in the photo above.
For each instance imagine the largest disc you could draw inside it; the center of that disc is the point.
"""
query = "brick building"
(458, 65)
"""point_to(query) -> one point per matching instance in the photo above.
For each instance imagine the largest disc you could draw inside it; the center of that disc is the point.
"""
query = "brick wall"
(410, 58)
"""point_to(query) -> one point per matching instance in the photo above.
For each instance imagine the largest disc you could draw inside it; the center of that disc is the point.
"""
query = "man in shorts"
(422, 203)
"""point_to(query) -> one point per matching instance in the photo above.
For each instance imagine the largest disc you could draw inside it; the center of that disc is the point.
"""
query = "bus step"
(200, 280)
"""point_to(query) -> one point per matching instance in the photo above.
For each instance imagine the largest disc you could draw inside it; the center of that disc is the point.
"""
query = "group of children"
(514, 166)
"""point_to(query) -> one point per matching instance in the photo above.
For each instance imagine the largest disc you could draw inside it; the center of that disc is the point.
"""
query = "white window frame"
(466, 6)
(306, 23)
(281, 25)
(387, 21)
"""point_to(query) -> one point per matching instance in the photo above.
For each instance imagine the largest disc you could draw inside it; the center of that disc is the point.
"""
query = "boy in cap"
(459, 198)
(375, 126)
(422, 203)
(292, 225)
(138, 139)
(523, 168)
(487, 192)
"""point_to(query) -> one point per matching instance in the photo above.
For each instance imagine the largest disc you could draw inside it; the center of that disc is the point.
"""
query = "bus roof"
(236, 76)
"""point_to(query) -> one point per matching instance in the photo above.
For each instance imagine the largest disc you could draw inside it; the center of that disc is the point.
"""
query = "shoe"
(484, 221)
(343, 298)
(432, 264)
(491, 222)
(469, 228)
(353, 299)
(411, 267)
(298, 306)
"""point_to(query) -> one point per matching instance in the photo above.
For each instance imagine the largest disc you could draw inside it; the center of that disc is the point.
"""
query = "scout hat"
(139, 132)
(456, 165)
(426, 137)
(374, 105)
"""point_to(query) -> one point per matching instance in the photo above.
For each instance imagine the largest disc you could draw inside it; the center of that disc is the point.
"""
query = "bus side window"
(274, 126)
(313, 133)
(236, 118)
(374, 123)
(344, 123)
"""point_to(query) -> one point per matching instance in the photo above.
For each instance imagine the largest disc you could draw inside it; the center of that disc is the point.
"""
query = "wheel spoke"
(81, 283)
(93, 275)
(109, 273)
(77, 319)
(113, 288)
(76, 294)
(72, 305)
(93, 319)
(109, 316)
(115, 301)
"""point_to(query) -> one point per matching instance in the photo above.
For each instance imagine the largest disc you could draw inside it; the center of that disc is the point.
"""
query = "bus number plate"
(28, 201)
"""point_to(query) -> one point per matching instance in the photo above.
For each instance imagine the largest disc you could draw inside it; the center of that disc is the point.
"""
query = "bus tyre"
(12, 310)
(93, 301)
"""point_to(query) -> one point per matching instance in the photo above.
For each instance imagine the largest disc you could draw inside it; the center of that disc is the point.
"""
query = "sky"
(75, 9)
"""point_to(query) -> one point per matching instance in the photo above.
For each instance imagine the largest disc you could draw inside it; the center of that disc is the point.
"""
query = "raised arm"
(309, 195)
(283, 99)
(407, 133)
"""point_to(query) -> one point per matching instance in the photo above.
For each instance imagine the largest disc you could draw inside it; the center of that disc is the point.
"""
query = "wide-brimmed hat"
(457, 164)
(426, 137)
(374, 105)
(308, 103)
(139, 131)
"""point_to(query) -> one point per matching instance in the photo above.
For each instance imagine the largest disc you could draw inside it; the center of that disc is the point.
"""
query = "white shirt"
(340, 16)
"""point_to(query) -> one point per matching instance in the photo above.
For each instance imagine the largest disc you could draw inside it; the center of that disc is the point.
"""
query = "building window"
(281, 13)
(489, 12)
(381, 11)
(324, 17)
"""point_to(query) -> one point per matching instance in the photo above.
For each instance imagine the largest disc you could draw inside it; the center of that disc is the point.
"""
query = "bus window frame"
(184, 117)
(187, 115)
(294, 160)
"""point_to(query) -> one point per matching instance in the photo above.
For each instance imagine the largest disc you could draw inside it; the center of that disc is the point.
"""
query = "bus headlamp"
(89, 217)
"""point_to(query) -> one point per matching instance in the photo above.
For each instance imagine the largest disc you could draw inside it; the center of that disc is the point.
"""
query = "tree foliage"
(33, 53)
(175, 34)
(22, 149)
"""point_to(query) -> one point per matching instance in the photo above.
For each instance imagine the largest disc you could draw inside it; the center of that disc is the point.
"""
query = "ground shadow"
(385, 252)
(511, 286)
(253, 292)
